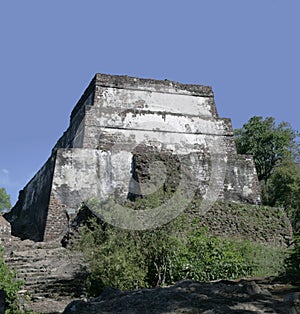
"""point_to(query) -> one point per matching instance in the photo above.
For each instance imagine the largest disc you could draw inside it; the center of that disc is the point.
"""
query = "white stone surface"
(175, 103)
(144, 120)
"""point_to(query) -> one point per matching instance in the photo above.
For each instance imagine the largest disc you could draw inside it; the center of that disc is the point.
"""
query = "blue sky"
(248, 51)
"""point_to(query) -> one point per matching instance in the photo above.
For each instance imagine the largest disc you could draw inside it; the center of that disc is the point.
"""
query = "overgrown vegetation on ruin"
(183, 249)
(179, 250)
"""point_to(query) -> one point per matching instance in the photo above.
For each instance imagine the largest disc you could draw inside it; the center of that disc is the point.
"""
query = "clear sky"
(247, 50)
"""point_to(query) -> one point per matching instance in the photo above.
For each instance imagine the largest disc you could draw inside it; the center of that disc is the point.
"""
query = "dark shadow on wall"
(134, 185)
(29, 216)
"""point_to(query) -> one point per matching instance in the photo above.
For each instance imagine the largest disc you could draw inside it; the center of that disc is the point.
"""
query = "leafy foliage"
(129, 259)
(265, 260)
(10, 285)
(4, 200)
(179, 250)
(205, 257)
(276, 155)
(267, 142)
(284, 189)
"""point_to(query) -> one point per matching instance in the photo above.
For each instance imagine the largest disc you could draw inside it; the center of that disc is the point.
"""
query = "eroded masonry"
(127, 138)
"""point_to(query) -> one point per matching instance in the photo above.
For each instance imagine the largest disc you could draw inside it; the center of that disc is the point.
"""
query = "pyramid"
(129, 137)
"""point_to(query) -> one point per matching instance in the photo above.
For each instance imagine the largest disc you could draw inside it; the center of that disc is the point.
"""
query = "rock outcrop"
(222, 297)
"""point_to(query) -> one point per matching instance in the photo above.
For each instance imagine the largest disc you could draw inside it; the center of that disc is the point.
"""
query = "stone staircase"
(53, 276)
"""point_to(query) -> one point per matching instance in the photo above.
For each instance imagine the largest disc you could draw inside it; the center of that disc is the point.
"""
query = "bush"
(10, 285)
(128, 259)
(114, 259)
(265, 260)
(205, 257)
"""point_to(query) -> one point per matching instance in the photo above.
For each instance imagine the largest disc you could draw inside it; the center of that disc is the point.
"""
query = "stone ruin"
(127, 138)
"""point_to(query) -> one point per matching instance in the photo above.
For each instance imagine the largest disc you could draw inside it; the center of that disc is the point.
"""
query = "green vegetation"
(179, 250)
(267, 142)
(284, 189)
(266, 260)
(10, 285)
(276, 154)
(4, 200)
(205, 257)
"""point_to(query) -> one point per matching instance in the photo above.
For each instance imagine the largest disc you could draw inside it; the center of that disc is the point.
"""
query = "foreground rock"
(244, 296)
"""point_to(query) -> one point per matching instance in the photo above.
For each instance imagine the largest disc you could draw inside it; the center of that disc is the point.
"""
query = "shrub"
(114, 259)
(205, 257)
(132, 259)
(266, 260)
(128, 259)
(10, 285)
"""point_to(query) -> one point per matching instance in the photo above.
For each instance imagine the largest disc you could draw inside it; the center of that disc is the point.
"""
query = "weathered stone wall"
(28, 217)
(261, 224)
(5, 230)
(124, 134)
(241, 182)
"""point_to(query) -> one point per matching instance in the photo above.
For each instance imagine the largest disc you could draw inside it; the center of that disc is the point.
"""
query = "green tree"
(276, 155)
(268, 143)
(284, 189)
(4, 200)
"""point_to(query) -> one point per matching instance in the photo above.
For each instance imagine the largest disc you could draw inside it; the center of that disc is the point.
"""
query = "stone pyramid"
(129, 137)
